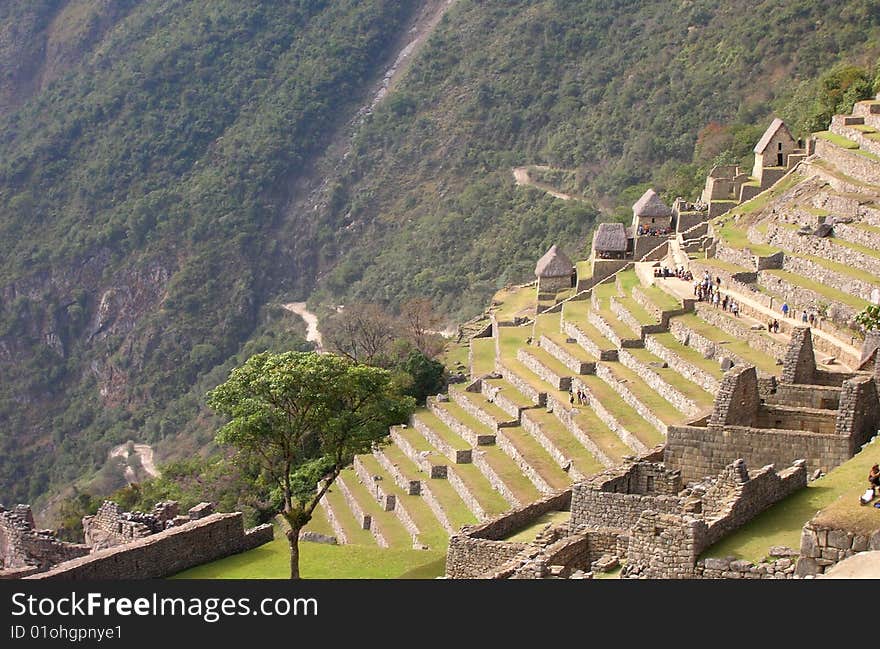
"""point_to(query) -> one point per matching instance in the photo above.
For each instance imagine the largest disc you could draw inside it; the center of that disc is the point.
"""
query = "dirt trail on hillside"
(313, 334)
(145, 454)
(522, 177)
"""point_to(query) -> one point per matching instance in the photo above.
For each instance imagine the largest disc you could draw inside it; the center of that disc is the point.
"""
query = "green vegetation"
(826, 291)
(320, 561)
(529, 533)
(781, 524)
(839, 140)
(302, 417)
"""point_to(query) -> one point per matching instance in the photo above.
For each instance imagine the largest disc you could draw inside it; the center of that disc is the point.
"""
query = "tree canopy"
(303, 417)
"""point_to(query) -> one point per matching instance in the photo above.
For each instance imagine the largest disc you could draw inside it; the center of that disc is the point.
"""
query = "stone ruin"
(820, 416)
(638, 513)
(25, 550)
(112, 526)
(124, 545)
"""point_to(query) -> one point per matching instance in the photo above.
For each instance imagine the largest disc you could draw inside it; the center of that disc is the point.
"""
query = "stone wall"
(523, 386)
(25, 549)
(737, 401)
(708, 348)
(743, 258)
(572, 330)
(757, 340)
(823, 545)
(112, 526)
(558, 381)
(819, 247)
(616, 497)
(477, 549)
(571, 361)
(822, 275)
(700, 452)
(168, 552)
(859, 415)
(691, 372)
(631, 399)
(806, 396)
(664, 546)
(838, 312)
(732, 568)
(678, 399)
(856, 166)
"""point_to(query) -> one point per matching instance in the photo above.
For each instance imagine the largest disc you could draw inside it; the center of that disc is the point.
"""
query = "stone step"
(438, 435)
(590, 339)
(688, 362)
(740, 329)
(364, 519)
(350, 527)
(591, 431)
(420, 451)
(866, 109)
(413, 512)
(460, 422)
(715, 344)
(518, 443)
(685, 396)
(842, 277)
(412, 487)
(440, 496)
(384, 496)
(505, 396)
(635, 316)
(477, 492)
(559, 443)
(611, 400)
(546, 367)
(330, 515)
(480, 408)
(566, 350)
(613, 329)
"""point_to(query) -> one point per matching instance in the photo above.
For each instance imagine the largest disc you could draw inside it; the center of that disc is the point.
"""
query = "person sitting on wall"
(874, 477)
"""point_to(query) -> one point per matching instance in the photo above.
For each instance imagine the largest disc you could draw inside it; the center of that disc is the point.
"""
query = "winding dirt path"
(313, 334)
(146, 455)
(522, 177)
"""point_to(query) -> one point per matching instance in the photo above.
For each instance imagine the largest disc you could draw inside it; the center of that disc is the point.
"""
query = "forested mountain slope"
(168, 169)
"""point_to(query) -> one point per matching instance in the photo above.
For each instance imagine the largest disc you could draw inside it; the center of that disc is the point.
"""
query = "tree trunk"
(293, 541)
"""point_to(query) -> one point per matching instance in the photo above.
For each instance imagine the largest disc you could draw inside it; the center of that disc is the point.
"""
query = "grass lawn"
(510, 303)
(720, 264)
(738, 238)
(691, 355)
(761, 200)
(661, 299)
(870, 252)
(836, 494)
(739, 347)
(320, 561)
(839, 140)
(529, 533)
(484, 356)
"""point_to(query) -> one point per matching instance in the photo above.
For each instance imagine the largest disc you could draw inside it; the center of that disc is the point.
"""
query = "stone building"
(650, 214)
(820, 416)
(554, 271)
(25, 549)
(610, 241)
(775, 154)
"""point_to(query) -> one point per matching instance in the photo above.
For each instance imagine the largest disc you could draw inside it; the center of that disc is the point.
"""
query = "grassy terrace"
(484, 356)
(870, 252)
(510, 393)
(572, 348)
(442, 431)
(673, 378)
(834, 171)
(660, 298)
(451, 503)
(836, 494)
(872, 229)
(511, 303)
(760, 201)
(721, 264)
(591, 332)
(584, 270)
(320, 524)
(843, 269)
(510, 473)
(605, 438)
(627, 280)
(391, 527)
(537, 457)
(462, 415)
(490, 500)
(655, 402)
(689, 354)
(561, 437)
(431, 532)
(546, 323)
(548, 361)
(822, 289)
(530, 533)
(846, 143)
(480, 401)
(510, 339)
(618, 327)
(737, 238)
(353, 530)
(637, 311)
(740, 348)
(322, 561)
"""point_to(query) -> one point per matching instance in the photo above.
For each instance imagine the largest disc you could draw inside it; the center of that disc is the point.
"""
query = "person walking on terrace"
(785, 309)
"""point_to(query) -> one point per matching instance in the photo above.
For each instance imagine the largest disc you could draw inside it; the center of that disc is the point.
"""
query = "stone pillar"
(738, 400)
(800, 360)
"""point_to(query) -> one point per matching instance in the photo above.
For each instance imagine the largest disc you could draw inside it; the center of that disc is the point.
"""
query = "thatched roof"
(554, 263)
(650, 205)
(610, 237)
(775, 126)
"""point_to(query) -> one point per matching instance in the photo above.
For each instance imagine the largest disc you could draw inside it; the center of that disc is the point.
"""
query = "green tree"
(304, 416)
(869, 318)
